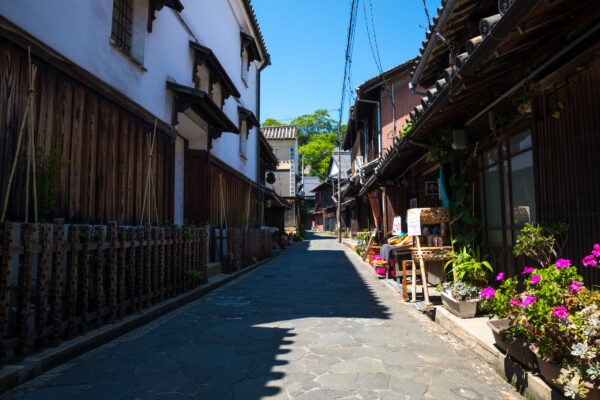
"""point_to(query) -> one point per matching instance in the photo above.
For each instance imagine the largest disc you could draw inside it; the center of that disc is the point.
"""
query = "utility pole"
(339, 194)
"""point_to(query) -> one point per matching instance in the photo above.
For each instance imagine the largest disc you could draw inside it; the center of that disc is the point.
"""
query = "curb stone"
(38, 363)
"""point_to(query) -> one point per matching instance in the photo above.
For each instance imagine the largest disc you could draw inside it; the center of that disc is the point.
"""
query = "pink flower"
(596, 251)
(560, 312)
(589, 261)
(575, 286)
(529, 300)
(527, 270)
(515, 302)
(527, 324)
(535, 279)
(562, 263)
(488, 293)
(500, 276)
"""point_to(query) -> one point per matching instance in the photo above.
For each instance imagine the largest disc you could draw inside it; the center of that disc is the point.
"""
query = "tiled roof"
(310, 182)
(345, 160)
(283, 132)
(256, 27)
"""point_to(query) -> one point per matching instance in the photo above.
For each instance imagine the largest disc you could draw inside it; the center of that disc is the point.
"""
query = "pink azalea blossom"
(500, 276)
(560, 312)
(529, 300)
(527, 270)
(596, 251)
(527, 323)
(562, 263)
(535, 279)
(590, 261)
(515, 302)
(488, 293)
(575, 286)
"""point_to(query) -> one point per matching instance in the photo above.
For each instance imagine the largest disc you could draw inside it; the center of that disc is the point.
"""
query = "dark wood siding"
(567, 163)
(106, 146)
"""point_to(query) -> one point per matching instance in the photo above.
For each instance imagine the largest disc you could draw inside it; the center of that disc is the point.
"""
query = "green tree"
(318, 151)
(317, 123)
(271, 122)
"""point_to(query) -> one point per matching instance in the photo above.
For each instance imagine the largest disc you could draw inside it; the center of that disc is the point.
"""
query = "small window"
(245, 66)
(243, 138)
(122, 24)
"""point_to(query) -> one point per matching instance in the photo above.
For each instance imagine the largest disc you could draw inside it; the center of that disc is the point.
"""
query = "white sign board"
(397, 227)
(374, 232)
(413, 220)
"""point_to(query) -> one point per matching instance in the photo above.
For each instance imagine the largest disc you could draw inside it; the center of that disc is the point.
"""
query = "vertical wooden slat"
(139, 180)
(112, 272)
(168, 261)
(6, 232)
(101, 163)
(88, 159)
(131, 185)
(122, 269)
(139, 270)
(24, 290)
(63, 132)
(72, 280)
(57, 279)
(98, 273)
(161, 263)
(41, 307)
(132, 236)
(155, 267)
(75, 153)
(83, 278)
(122, 176)
(113, 157)
(147, 267)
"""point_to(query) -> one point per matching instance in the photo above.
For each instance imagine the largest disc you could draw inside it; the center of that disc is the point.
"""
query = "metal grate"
(122, 24)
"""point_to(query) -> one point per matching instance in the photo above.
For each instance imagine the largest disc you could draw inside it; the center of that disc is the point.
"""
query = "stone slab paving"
(313, 323)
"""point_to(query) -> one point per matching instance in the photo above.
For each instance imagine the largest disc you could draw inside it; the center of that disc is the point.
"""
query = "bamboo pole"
(148, 174)
(19, 142)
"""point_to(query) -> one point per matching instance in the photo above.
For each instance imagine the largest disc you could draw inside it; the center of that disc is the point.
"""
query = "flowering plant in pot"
(561, 318)
(461, 296)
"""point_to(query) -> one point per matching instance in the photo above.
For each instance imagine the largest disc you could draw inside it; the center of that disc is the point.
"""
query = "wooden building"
(511, 112)
(381, 109)
(284, 141)
(140, 128)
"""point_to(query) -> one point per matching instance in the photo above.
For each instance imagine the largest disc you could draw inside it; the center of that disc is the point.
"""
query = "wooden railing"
(59, 281)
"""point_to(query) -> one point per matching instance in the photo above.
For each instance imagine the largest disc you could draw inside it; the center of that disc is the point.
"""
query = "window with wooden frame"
(122, 25)
(506, 189)
(243, 138)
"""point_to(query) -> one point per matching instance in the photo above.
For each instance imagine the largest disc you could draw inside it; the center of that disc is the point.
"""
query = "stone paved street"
(312, 324)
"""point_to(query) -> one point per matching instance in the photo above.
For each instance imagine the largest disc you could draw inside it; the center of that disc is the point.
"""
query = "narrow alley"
(311, 324)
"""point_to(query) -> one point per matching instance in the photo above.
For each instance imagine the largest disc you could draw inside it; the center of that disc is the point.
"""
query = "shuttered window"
(122, 23)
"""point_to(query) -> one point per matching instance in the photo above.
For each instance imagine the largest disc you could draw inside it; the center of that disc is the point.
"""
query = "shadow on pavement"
(233, 343)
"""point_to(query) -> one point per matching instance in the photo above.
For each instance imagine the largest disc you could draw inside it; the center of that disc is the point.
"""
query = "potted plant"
(542, 244)
(459, 298)
(561, 318)
(462, 296)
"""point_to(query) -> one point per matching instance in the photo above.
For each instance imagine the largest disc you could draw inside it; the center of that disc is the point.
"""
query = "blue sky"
(307, 43)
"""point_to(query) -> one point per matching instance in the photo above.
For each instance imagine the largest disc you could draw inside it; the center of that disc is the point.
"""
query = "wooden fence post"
(41, 290)
(24, 291)
(57, 280)
(72, 279)
(84, 278)
(98, 274)
(6, 232)
(112, 272)
(132, 288)
(161, 264)
(123, 270)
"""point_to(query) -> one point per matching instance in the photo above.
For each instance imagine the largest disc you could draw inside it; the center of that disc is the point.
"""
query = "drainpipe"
(259, 208)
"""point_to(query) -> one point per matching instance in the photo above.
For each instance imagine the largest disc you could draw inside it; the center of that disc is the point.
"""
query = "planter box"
(462, 309)
(515, 348)
(550, 371)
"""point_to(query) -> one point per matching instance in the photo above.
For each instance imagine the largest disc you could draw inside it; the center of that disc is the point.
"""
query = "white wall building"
(211, 53)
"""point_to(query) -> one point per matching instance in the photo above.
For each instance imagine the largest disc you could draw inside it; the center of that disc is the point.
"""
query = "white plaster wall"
(80, 31)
